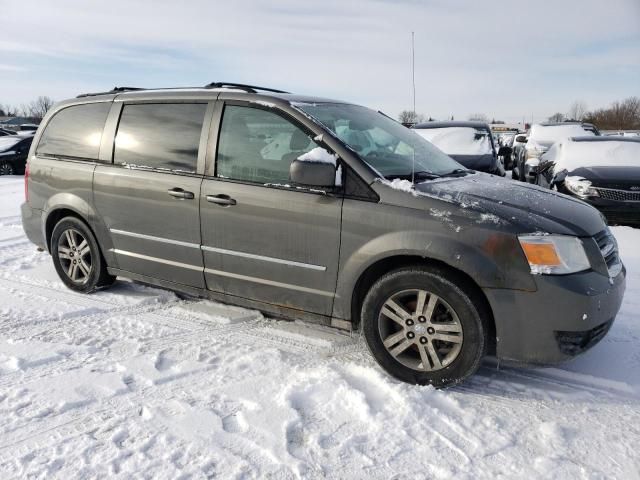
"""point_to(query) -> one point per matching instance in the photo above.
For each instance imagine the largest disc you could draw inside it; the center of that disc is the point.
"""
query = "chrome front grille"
(618, 195)
(609, 249)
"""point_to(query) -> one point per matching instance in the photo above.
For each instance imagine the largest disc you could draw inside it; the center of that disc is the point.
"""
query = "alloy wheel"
(74, 253)
(6, 169)
(420, 330)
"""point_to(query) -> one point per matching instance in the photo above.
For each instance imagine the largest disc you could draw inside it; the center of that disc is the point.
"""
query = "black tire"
(7, 168)
(449, 294)
(97, 276)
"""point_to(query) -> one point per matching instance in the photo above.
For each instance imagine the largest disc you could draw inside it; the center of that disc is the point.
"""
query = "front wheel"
(77, 257)
(6, 168)
(423, 328)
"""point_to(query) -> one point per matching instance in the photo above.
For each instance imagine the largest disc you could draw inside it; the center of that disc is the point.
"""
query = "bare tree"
(557, 117)
(408, 116)
(478, 117)
(38, 108)
(624, 115)
(8, 110)
(577, 111)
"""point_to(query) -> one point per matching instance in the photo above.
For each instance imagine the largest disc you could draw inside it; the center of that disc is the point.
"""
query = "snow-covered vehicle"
(469, 143)
(603, 171)
(541, 137)
(320, 210)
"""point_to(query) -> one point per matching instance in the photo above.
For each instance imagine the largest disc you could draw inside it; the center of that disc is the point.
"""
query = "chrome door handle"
(224, 200)
(180, 193)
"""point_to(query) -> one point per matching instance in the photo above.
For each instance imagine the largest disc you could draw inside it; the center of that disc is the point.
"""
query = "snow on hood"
(570, 154)
(318, 155)
(550, 134)
(457, 140)
(8, 142)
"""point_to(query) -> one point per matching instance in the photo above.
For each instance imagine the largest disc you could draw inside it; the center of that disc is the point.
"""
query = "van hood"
(527, 208)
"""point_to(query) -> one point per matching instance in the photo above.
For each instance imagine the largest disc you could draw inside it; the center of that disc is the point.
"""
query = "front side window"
(75, 131)
(160, 136)
(258, 146)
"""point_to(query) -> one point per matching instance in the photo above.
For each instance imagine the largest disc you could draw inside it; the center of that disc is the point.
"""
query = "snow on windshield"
(458, 140)
(549, 134)
(571, 155)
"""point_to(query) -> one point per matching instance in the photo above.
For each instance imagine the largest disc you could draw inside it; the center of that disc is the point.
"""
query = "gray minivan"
(325, 211)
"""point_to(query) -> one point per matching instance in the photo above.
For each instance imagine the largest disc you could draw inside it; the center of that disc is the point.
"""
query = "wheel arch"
(57, 214)
(385, 265)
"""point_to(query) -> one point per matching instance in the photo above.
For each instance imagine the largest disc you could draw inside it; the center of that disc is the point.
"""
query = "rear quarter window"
(75, 131)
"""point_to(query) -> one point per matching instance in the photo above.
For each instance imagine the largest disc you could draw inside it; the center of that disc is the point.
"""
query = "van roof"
(210, 90)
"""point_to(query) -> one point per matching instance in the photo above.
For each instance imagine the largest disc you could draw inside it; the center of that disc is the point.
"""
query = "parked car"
(602, 171)
(541, 137)
(519, 142)
(268, 200)
(4, 132)
(13, 153)
(469, 143)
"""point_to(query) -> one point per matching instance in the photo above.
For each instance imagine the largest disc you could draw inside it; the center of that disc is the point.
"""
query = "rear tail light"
(26, 183)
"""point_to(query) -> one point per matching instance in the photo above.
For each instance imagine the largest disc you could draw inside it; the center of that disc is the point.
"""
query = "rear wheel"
(423, 328)
(77, 257)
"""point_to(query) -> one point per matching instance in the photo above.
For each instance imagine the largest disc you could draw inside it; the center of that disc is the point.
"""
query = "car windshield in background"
(393, 150)
(593, 152)
(458, 140)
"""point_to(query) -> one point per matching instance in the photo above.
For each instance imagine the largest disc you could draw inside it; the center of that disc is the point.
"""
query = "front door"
(148, 198)
(263, 239)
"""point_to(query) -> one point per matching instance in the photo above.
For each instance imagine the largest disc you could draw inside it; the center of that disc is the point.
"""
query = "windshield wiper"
(420, 175)
(457, 172)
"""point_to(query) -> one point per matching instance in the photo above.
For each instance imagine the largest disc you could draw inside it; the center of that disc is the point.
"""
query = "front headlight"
(581, 187)
(554, 254)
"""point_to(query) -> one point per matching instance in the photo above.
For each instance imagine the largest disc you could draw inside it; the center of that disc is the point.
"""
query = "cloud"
(502, 58)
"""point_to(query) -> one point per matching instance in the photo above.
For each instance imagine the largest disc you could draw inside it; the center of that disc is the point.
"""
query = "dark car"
(4, 132)
(469, 143)
(602, 171)
(14, 150)
(321, 210)
(541, 137)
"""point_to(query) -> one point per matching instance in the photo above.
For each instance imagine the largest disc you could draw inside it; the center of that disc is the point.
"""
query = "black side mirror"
(312, 174)
(521, 139)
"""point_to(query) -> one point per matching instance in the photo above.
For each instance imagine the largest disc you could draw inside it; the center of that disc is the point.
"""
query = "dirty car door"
(261, 238)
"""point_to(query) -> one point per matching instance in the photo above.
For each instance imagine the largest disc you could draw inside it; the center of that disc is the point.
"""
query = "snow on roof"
(550, 134)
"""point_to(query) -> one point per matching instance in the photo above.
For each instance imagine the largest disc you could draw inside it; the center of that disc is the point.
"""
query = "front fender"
(492, 258)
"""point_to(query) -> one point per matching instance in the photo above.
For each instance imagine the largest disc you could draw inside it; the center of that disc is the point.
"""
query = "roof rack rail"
(112, 91)
(241, 86)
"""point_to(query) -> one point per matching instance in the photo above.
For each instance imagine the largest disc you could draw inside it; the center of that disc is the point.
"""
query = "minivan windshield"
(391, 149)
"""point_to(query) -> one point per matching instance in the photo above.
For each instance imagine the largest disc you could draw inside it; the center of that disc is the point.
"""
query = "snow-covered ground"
(136, 382)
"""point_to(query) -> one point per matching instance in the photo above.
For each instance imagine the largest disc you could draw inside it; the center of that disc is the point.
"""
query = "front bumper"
(32, 224)
(567, 315)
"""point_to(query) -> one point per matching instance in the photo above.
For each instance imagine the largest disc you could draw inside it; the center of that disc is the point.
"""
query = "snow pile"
(134, 382)
(458, 140)
(570, 155)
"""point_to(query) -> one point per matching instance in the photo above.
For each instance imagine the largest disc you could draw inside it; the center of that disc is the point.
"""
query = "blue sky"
(509, 60)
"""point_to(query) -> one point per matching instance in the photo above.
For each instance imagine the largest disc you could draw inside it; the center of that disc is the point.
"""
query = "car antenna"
(413, 81)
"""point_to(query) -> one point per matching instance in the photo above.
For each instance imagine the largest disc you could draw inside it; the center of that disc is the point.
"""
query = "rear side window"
(160, 136)
(75, 131)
